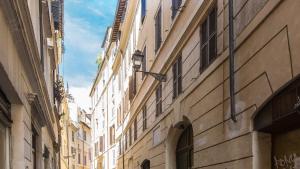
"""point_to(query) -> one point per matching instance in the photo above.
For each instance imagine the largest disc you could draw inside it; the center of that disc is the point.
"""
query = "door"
(184, 149)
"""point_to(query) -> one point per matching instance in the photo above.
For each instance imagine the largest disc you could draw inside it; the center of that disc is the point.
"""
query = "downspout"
(231, 61)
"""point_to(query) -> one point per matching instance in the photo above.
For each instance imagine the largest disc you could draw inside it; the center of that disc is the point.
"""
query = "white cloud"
(81, 96)
(81, 35)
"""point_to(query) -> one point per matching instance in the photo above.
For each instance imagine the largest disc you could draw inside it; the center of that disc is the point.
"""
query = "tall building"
(215, 84)
(106, 104)
(30, 92)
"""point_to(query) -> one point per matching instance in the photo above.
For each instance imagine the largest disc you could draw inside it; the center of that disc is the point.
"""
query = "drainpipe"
(231, 61)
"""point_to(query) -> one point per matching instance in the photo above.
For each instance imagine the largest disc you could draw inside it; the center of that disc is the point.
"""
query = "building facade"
(31, 49)
(187, 121)
(76, 136)
(106, 105)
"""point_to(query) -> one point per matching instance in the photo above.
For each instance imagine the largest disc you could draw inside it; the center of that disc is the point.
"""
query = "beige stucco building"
(75, 136)
(31, 44)
(186, 121)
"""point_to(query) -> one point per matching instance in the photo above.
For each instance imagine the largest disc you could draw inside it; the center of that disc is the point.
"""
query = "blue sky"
(85, 25)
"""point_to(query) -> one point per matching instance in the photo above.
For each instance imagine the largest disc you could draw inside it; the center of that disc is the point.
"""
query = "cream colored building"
(69, 127)
(106, 102)
(187, 121)
(84, 148)
(75, 136)
(31, 44)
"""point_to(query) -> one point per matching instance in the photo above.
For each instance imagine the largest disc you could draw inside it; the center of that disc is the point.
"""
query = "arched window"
(145, 164)
(184, 149)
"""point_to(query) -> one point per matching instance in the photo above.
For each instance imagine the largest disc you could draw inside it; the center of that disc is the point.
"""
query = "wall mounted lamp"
(137, 59)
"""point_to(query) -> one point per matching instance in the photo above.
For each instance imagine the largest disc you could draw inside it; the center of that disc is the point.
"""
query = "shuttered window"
(135, 129)
(177, 77)
(132, 86)
(112, 134)
(158, 24)
(101, 145)
(144, 63)
(130, 136)
(159, 100)
(126, 140)
(176, 6)
(144, 118)
(208, 40)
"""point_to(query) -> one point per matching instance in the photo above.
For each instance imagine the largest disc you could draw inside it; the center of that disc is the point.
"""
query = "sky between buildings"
(85, 26)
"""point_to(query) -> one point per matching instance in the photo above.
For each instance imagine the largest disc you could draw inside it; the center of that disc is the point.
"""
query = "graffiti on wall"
(285, 161)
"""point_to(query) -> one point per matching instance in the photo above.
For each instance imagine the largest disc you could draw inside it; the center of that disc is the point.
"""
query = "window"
(145, 164)
(159, 100)
(119, 116)
(119, 80)
(176, 6)
(130, 136)
(5, 116)
(96, 148)
(177, 77)
(84, 135)
(208, 40)
(135, 129)
(101, 143)
(112, 134)
(158, 38)
(144, 63)
(184, 149)
(126, 141)
(73, 136)
(120, 146)
(113, 157)
(84, 160)
(41, 34)
(144, 118)
(73, 151)
(78, 157)
(143, 10)
(132, 86)
(34, 147)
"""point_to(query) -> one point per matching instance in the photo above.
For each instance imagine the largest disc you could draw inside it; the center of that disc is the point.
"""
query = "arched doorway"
(184, 149)
(145, 164)
(280, 117)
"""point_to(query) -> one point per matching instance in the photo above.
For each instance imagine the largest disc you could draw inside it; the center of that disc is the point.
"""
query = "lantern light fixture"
(137, 60)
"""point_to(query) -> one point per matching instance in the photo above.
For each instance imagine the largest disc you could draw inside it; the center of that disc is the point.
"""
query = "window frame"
(207, 35)
(158, 100)
(175, 7)
(144, 113)
(112, 135)
(144, 62)
(177, 76)
(130, 136)
(158, 29)
(135, 129)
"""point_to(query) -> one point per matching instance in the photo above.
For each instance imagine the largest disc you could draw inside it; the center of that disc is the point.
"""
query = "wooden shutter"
(144, 64)
(179, 74)
(174, 70)
(158, 30)
(131, 88)
(135, 129)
